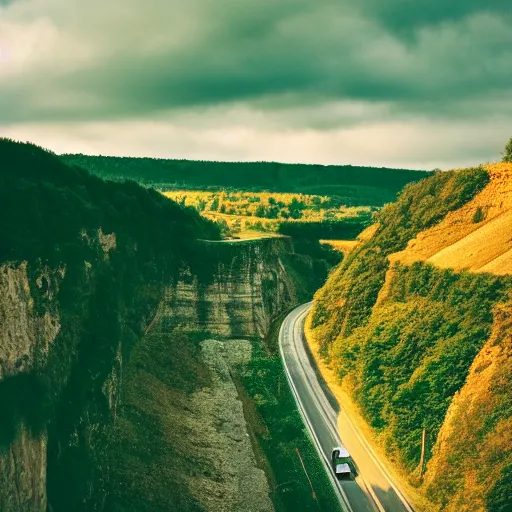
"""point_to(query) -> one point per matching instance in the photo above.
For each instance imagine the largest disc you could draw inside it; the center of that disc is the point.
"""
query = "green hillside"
(402, 340)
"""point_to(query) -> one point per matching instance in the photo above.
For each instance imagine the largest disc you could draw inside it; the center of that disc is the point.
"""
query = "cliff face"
(48, 352)
(106, 291)
(69, 332)
(239, 288)
(23, 472)
(25, 338)
(83, 264)
(416, 322)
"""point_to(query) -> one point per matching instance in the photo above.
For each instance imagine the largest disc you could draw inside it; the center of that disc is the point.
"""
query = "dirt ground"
(235, 483)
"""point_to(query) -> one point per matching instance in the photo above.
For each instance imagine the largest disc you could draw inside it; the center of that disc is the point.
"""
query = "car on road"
(342, 464)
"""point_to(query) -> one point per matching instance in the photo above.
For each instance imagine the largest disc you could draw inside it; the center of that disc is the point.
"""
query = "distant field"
(351, 185)
(240, 213)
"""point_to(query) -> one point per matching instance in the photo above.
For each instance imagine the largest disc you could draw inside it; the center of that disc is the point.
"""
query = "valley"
(255, 256)
(142, 366)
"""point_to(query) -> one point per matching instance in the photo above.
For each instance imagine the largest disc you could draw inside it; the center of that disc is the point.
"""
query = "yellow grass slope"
(476, 237)
(346, 246)
(473, 447)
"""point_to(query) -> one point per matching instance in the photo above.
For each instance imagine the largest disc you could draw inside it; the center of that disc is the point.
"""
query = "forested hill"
(359, 185)
(48, 206)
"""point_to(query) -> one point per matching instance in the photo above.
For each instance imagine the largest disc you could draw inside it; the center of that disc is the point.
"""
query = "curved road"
(373, 489)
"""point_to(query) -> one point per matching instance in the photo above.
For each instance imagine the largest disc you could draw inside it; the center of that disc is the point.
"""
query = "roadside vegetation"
(414, 354)
(479, 416)
(279, 432)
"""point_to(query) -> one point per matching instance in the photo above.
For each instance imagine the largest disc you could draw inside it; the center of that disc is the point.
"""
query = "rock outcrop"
(242, 287)
(25, 335)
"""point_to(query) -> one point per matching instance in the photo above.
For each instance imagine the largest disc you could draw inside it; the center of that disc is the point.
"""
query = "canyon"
(236, 292)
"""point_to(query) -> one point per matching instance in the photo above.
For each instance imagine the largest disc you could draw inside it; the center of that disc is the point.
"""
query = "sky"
(418, 84)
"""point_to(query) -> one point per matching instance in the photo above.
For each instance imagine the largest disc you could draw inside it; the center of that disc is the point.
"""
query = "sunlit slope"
(349, 295)
(477, 237)
(473, 452)
(415, 322)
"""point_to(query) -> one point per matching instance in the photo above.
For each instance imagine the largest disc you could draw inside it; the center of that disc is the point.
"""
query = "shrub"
(478, 216)
(507, 153)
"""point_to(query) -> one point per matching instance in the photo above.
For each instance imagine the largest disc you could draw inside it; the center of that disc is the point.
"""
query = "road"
(373, 489)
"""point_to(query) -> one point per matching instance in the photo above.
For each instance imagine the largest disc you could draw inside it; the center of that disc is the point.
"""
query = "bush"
(507, 153)
(500, 496)
(478, 216)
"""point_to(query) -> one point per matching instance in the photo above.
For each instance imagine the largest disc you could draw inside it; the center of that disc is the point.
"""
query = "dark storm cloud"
(406, 16)
(427, 57)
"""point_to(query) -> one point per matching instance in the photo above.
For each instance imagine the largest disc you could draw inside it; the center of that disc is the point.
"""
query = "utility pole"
(309, 480)
(422, 458)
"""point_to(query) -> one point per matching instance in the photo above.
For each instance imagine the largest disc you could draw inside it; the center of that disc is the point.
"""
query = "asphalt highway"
(372, 490)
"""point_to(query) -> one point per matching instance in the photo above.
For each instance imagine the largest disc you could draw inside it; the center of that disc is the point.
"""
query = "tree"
(507, 154)
(215, 204)
(260, 211)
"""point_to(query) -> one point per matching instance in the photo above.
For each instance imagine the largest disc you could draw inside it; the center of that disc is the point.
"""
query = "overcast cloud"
(422, 84)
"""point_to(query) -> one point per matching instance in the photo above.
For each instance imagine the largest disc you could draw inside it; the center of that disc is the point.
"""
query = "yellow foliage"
(261, 211)
(344, 246)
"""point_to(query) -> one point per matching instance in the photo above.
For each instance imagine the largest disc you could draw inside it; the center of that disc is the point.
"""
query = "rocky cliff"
(107, 291)
(244, 287)
(60, 367)
(25, 338)
(240, 287)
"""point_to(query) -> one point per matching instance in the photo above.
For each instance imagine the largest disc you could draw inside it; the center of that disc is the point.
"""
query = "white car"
(341, 463)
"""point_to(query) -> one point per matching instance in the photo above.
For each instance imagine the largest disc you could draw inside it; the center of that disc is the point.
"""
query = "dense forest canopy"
(356, 185)
(47, 205)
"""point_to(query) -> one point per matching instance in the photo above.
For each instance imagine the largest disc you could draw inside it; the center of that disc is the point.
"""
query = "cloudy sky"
(403, 83)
